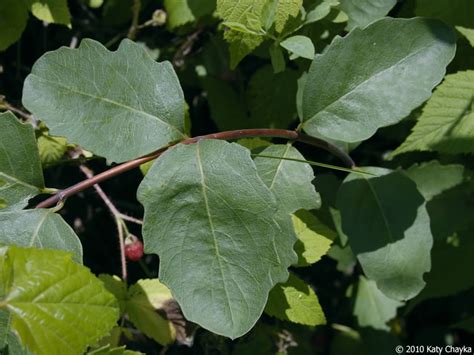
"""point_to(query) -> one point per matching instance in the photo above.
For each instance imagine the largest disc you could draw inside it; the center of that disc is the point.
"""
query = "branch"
(132, 32)
(117, 217)
(228, 135)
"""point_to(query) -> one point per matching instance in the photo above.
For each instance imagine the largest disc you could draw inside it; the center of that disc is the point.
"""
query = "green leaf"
(126, 99)
(178, 12)
(284, 10)
(432, 178)
(222, 245)
(117, 287)
(15, 347)
(314, 238)
(145, 299)
(4, 328)
(13, 18)
(372, 308)
(289, 181)
(300, 46)
(295, 301)
(448, 275)
(345, 258)
(458, 12)
(447, 122)
(247, 13)
(277, 58)
(319, 9)
(51, 149)
(271, 98)
(228, 109)
(388, 228)
(468, 33)
(362, 13)
(57, 306)
(21, 176)
(51, 11)
(39, 228)
(181, 12)
(373, 77)
(108, 350)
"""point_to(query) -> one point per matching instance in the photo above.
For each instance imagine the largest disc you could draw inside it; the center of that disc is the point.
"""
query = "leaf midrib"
(339, 98)
(379, 205)
(211, 225)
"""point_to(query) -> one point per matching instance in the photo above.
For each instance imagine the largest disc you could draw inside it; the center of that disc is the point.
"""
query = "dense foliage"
(300, 173)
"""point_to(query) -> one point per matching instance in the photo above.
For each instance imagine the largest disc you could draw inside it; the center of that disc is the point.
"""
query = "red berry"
(133, 248)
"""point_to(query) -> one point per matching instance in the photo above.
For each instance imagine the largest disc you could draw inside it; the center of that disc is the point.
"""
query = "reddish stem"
(228, 135)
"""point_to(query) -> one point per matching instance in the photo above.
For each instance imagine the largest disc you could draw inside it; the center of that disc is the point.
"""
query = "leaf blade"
(125, 91)
(229, 258)
(359, 73)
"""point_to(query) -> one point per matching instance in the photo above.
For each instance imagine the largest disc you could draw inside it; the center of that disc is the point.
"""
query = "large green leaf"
(432, 178)
(57, 306)
(362, 13)
(290, 181)
(21, 176)
(215, 226)
(388, 228)
(372, 308)
(373, 77)
(272, 98)
(39, 228)
(145, 299)
(295, 301)
(119, 105)
(447, 122)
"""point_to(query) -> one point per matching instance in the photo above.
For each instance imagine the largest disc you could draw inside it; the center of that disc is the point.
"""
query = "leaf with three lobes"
(295, 301)
(21, 176)
(57, 306)
(362, 13)
(39, 228)
(372, 308)
(106, 101)
(388, 227)
(374, 77)
(145, 299)
(447, 122)
(215, 226)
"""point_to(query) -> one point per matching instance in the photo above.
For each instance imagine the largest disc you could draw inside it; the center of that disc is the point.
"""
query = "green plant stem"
(228, 135)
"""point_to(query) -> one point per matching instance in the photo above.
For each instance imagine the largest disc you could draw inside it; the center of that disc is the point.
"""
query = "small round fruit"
(133, 248)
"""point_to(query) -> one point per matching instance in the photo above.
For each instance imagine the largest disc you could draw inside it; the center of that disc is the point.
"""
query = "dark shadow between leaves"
(382, 207)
